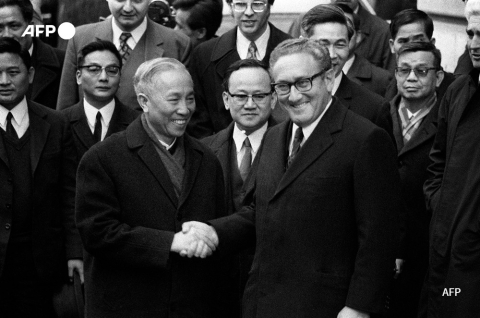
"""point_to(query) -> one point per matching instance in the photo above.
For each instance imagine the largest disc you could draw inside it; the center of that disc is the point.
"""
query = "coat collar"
(344, 90)
(360, 68)
(138, 140)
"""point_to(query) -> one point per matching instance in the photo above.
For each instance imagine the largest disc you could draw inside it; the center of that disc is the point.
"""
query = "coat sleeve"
(99, 220)
(437, 157)
(68, 91)
(377, 208)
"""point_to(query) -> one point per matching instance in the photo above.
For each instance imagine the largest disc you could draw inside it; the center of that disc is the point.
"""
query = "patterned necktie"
(252, 51)
(10, 130)
(125, 50)
(297, 140)
(246, 160)
(97, 132)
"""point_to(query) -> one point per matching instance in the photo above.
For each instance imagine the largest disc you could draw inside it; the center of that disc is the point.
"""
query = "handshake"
(196, 239)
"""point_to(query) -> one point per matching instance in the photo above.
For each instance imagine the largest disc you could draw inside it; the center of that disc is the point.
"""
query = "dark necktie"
(252, 51)
(97, 132)
(297, 140)
(10, 130)
(124, 48)
(246, 163)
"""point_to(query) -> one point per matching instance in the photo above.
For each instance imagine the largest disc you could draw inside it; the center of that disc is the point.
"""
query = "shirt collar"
(308, 130)
(243, 43)
(136, 34)
(348, 65)
(19, 113)
(106, 111)
(336, 84)
(255, 137)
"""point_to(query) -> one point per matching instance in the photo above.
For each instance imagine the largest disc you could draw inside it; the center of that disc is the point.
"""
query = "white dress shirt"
(91, 113)
(20, 120)
(255, 139)
(133, 40)
(243, 43)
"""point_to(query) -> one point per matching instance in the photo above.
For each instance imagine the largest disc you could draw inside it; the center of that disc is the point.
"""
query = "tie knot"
(99, 115)
(246, 143)
(125, 36)
(9, 116)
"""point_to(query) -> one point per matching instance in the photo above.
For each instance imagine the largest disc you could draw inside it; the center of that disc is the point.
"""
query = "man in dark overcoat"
(452, 192)
(134, 191)
(323, 205)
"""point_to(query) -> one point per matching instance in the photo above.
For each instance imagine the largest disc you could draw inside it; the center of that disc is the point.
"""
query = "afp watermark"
(451, 291)
(66, 30)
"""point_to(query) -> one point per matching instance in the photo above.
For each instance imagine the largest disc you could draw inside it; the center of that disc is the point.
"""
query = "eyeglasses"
(95, 70)
(302, 85)
(419, 71)
(257, 6)
(242, 99)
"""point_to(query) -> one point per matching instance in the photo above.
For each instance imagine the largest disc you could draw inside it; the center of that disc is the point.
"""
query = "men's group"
(332, 172)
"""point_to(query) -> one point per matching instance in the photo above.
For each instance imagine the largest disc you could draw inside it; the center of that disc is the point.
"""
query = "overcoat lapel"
(425, 131)
(137, 138)
(318, 142)
(39, 129)
(80, 126)
(193, 161)
(3, 151)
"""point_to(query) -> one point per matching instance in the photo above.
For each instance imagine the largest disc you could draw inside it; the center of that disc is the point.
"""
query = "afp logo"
(66, 30)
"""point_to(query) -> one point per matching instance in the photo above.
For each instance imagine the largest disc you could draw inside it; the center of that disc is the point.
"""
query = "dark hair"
(270, 2)
(410, 16)
(325, 13)
(9, 45)
(247, 63)
(98, 45)
(425, 47)
(348, 10)
(25, 7)
(203, 14)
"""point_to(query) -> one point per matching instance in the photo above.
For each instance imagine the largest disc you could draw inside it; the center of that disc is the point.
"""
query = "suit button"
(10, 180)
(8, 206)
(400, 163)
(7, 226)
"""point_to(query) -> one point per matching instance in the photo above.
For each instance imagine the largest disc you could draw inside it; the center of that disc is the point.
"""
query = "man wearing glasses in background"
(99, 114)
(323, 208)
(249, 98)
(253, 37)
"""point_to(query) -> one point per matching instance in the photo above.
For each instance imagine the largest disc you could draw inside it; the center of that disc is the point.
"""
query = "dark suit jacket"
(366, 74)
(82, 135)
(325, 228)
(451, 193)
(366, 104)
(413, 160)
(157, 41)
(375, 46)
(53, 159)
(210, 61)
(48, 63)
(127, 213)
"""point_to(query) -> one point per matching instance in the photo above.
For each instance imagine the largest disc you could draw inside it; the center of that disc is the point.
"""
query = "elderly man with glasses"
(253, 37)
(321, 205)
(99, 114)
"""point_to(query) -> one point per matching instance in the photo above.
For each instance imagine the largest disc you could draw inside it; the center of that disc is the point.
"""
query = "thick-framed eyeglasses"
(257, 6)
(95, 70)
(302, 85)
(418, 71)
(242, 99)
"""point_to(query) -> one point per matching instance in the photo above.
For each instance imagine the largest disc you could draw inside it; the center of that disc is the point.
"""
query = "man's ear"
(440, 76)
(200, 33)
(79, 77)
(391, 42)
(31, 74)
(143, 101)
(433, 41)
(225, 100)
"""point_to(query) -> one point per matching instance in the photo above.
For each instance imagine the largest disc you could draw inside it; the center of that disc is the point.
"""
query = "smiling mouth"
(180, 122)
(299, 105)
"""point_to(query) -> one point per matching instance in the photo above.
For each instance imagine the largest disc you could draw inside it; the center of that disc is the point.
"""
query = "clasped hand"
(196, 239)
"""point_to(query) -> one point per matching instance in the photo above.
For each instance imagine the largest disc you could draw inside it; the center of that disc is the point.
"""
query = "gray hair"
(293, 46)
(143, 81)
(472, 7)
